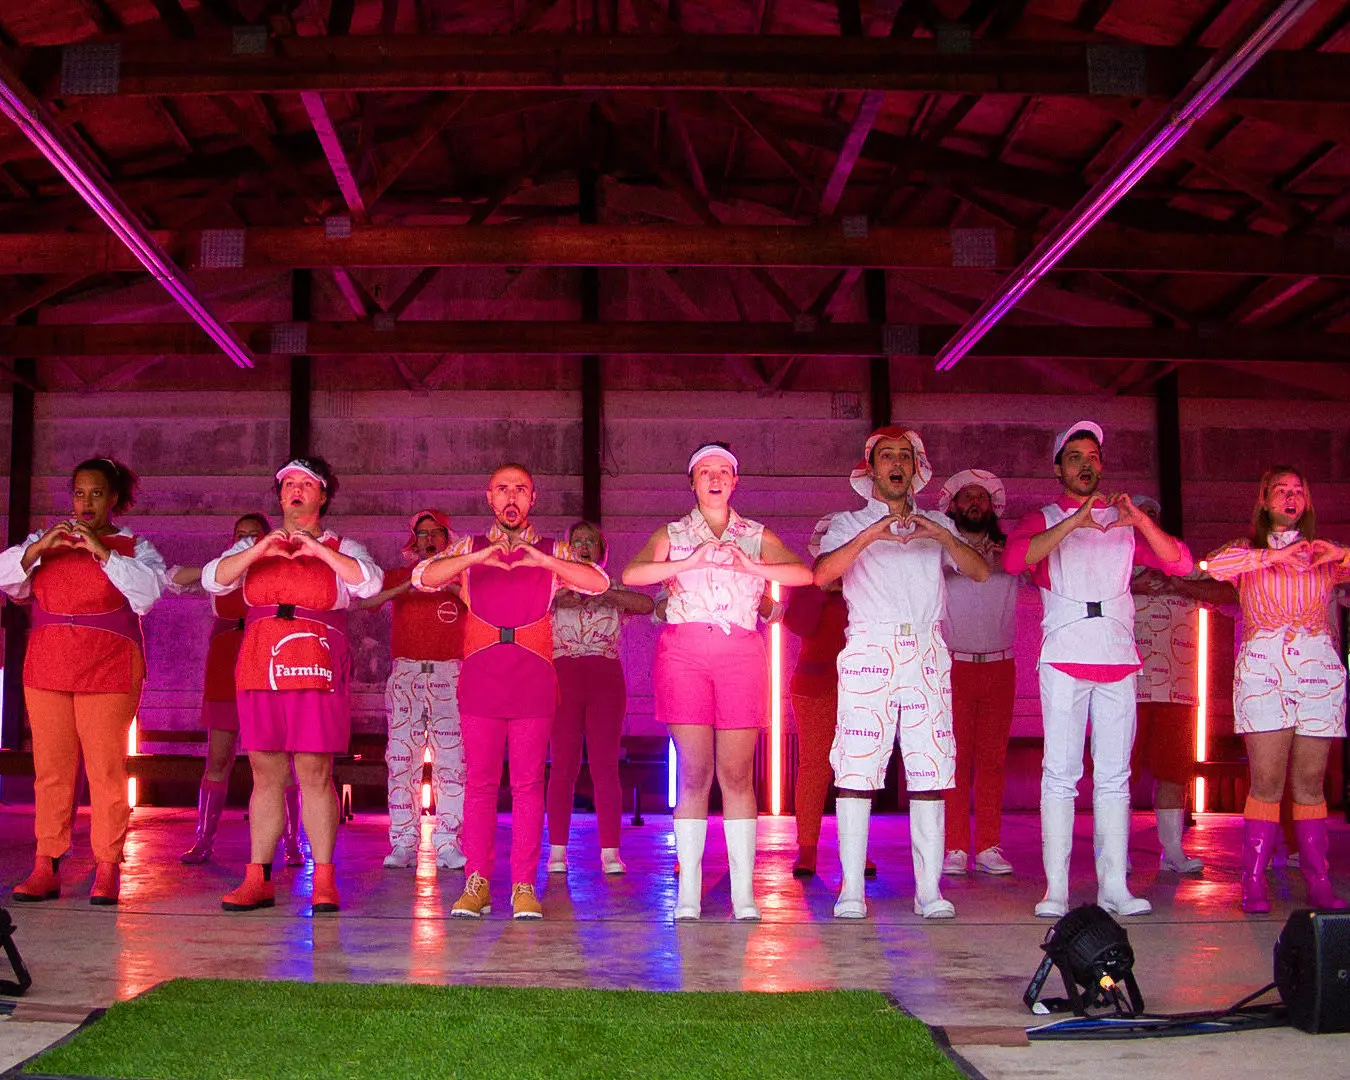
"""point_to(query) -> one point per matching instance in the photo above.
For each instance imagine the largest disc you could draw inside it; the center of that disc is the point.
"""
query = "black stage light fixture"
(13, 989)
(1092, 952)
(1312, 970)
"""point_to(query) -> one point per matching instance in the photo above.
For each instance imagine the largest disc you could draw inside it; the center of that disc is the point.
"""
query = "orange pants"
(816, 716)
(65, 726)
(982, 709)
(1164, 741)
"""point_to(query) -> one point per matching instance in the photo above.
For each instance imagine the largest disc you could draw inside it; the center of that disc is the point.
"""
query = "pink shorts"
(295, 721)
(705, 676)
(220, 715)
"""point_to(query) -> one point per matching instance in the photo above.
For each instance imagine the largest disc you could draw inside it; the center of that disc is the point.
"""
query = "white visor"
(297, 466)
(713, 451)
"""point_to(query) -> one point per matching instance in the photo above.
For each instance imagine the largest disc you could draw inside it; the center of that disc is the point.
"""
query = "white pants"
(1289, 679)
(1066, 705)
(894, 686)
(422, 703)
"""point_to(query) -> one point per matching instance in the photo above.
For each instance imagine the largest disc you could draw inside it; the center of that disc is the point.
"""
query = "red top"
(79, 659)
(819, 618)
(1015, 562)
(427, 626)
(508, 681)
(288, 654)
(222, 651)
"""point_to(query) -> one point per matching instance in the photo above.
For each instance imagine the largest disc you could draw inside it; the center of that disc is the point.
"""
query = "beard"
(975, 521)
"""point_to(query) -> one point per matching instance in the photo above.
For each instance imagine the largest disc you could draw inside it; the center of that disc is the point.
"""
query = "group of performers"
(505, 646)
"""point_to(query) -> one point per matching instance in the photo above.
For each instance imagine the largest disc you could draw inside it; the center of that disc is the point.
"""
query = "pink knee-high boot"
(1258, 844)
(1312, 853)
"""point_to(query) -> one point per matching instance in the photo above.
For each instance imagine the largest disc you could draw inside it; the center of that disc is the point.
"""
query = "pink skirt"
(295, 721)
(220, 715)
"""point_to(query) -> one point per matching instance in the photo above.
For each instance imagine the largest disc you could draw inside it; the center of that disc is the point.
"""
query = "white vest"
(714, 594)
(1088, 615)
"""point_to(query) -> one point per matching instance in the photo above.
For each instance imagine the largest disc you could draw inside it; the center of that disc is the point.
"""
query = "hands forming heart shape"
(1128, 516)
(720, 553)
(286, 545)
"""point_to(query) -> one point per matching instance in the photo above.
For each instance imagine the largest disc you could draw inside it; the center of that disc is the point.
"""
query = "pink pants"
(486, 740)
(593, 701)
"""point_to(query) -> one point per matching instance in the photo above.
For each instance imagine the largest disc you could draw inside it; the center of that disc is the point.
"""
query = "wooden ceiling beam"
(694, 338)
(331, 142)
(713, 244)
(727, 62)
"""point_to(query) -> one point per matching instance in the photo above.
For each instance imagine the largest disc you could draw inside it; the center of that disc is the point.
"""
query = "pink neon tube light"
(30, 117)
(1204, 90)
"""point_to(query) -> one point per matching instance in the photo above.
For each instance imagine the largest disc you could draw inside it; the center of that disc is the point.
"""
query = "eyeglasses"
(427, 534)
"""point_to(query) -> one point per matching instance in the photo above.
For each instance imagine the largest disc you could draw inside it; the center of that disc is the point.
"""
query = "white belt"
(428, 667)
(983, 657)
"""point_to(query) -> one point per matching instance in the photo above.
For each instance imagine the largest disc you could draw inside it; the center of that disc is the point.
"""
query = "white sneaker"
(401, 858)
(955, 862)
(449, 857)
(991, 861)
(557, 858)
(610, 862)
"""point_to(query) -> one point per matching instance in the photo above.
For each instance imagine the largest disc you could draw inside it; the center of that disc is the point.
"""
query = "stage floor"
(1196, 951)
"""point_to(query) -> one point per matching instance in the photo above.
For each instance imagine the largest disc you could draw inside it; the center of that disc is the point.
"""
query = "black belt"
(1094, 609)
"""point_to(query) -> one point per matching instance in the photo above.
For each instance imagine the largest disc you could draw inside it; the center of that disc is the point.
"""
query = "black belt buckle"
(1094, 609)
(286, 611)
(507, 635)
(238, 624)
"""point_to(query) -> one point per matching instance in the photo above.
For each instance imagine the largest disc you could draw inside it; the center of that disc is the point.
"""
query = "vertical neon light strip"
(132, 751)
(426, 788)
(776, 707)
(672, 760)
(1201, 704)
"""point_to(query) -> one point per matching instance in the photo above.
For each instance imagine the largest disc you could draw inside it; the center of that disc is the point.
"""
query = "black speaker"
(1312, 970)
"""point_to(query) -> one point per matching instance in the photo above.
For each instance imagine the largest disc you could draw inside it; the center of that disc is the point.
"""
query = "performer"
(817, 616)
(508, 690)
(710, 679)
(421, 700)
(1166, 630)
(1081, 551)
(90, 582)
(895, 671)
(294, 670)
(1288, 684)
(220, 713)
(980, 628)
(592, 700)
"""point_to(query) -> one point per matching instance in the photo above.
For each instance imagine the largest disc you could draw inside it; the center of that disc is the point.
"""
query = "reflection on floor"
(1196, 951)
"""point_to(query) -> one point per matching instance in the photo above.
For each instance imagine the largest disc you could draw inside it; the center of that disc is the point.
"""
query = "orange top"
(80, 659)
(427, 626)
(1277, 596)
(222, 651)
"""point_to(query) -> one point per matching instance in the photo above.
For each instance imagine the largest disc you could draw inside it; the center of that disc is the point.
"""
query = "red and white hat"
(818, 536)
(861, 482)
(410, 548)
(1077, 425)
(998, 495)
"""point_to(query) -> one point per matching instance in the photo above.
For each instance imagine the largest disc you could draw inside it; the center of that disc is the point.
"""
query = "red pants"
(816, 716)
(66, 727)
(982, 708)
(486, 740)
(1164, 741)
(593, 699)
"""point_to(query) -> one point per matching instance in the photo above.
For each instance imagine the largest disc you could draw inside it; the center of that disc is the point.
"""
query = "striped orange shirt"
(1277, 596)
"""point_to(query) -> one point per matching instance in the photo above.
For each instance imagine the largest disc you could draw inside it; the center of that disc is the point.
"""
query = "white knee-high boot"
(927, 841)
(740, 834)
(1056, 845)
(690, 836)
(852, 817)
(1171, 826)
(1111, 840)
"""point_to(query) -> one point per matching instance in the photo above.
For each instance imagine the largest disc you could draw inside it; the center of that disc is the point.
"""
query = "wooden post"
(20, 512)
(302, 367)
(879, 367)
(592, 389)
(1167, 398)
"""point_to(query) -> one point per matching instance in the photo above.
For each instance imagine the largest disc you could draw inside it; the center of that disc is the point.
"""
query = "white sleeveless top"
(1088, 613)
(714, 594)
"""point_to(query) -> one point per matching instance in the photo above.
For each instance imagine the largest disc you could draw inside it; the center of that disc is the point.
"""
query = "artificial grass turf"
(215, 1029)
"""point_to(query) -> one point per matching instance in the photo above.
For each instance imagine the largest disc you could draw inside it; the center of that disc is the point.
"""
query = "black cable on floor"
(1240, 1016)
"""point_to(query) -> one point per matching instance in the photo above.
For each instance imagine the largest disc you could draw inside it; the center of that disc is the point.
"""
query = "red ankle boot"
(107, 884)
(41, 884)
(256, 891)
(325, 888)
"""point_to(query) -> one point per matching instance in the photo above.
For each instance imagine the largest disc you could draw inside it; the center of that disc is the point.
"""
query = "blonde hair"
(1262, 525)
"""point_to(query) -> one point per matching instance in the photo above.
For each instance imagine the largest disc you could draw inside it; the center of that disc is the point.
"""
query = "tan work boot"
(524, 903)
(474, 901)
